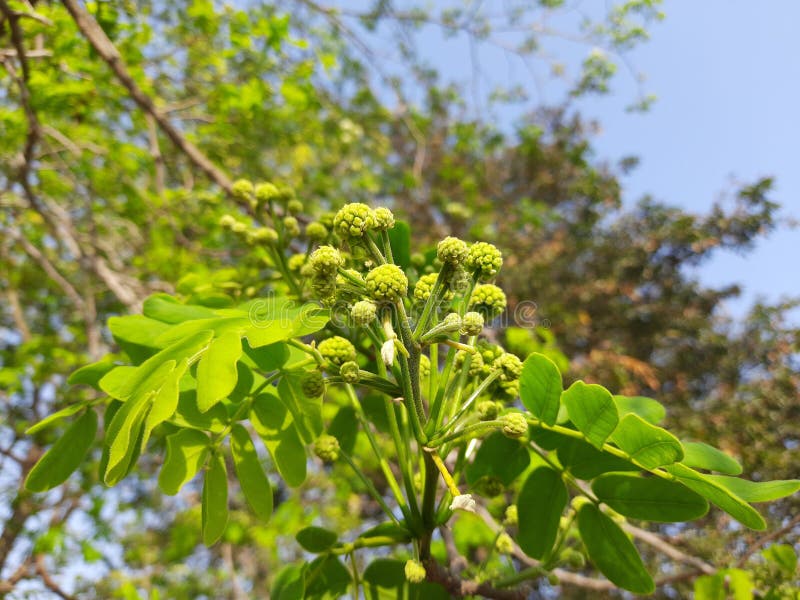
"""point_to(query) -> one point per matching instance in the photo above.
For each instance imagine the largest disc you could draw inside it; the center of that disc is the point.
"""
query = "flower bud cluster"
(327, 448)
(387, 283)
(337, 350)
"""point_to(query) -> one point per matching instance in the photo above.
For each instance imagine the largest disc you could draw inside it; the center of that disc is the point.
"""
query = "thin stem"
(308, 350)
(470, 431)
(478, 391)
(433, 300)
(387, 245)
(370, 487)
(448, 479)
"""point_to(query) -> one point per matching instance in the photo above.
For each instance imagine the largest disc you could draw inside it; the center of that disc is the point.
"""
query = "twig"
(767, 538)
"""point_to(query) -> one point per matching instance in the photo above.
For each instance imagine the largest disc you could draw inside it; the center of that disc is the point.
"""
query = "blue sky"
(727, 77)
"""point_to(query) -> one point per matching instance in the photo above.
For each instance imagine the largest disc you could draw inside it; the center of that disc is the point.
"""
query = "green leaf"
(757, 491)
(218, 325)
(290, 584)
(92, 374)
(187, 451)
(710, 587)
(584, 461)
(123, 440)
(274, 424)
(310, 319)
(66, 455)
(540, 504)
(187, 414)
(400, 242)
(649, 498)
(344, 428)
(782, 555)
(718, 495)
(327, 577)
(540, 387)
(702, 456)
(647, 445)
(123, 387)
(165, 308)
(592, 410)
(165, 401)
(255, 485)
(216, 372)
(136, 329)
(612, 552)
(306, 412)
(498, 456)
(650, 410)
(385, 573)
(316, 539)
(56, 417)
(215, 500)
(389, 529)
(268, 358)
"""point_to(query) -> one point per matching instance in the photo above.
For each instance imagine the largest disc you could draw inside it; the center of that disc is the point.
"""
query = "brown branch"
(651, 539)
(109, 53)
(18, 314)
(767, 538)
(461, 588)
(48, 581)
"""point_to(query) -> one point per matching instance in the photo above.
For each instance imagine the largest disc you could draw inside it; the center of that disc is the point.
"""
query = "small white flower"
(464, 502)
(387, 353)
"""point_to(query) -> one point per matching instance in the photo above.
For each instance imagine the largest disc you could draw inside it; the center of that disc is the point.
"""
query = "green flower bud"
(552, 579)
(292, 226)
(417, 260)
(227, 221)
(242, 189)
(452, 251)
(485, 259)
(510, 366)
(294, 206)
(238, 227)
(363, 312)
(384, 219)
(488, 299)
(514, 425)
(424, 287)
(262, 235)
(327, 448)
(325, 260)
(266, 192)
(316, 231)
(415, 572)
(573, 558)
(504, 544)
(509, 389)
(487, 410)
(475, 363)
(296, 262)
(313, 384)
(387, 283)
(337, 350)
(491, 486)
(285, 193)
(353, 220)
(511, 519)
(472, 324)
(424, 365)
(349, 371)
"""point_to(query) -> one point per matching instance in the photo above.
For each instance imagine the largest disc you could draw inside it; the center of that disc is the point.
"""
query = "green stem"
(478, 391)
(470, 431)
(373, 249)
(437, 403)
(370, 487)
(428, 506)
(437, 293)
(384, 464)
(387, 245)
(307, 349)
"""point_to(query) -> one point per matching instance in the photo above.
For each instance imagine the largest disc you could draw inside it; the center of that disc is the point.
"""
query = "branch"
(668, 549)
(766, 538)
(461, 588)
(98, 39)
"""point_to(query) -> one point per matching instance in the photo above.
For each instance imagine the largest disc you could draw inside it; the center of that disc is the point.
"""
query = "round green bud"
(487, 410)
(452, 251)
(349, 372)
(472, 324)
(488, 299)
(316, 231)
(294, 206)
(514, 425)
(296, 262)
(417, 260)
(510, 366)
(504, 544)
(227, 221)
(292, 226)
(325, 260)
(573, 558)
(262, 235)
(424, 287)
(485, 259)
(384, 219)
(491, 486)
(337, 350)
(387, 283)
(266, 192)
(511, 518)
(242, 189)
(415, 572)
(239, 227)
(475, 363)
(327, 448)
(552, 579)
(510, 389)
(313, 384)
(353, 220)
(424, 365)
(363, 312)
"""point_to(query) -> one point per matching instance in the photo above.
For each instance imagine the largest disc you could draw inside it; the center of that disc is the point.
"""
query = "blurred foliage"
(99, 209)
